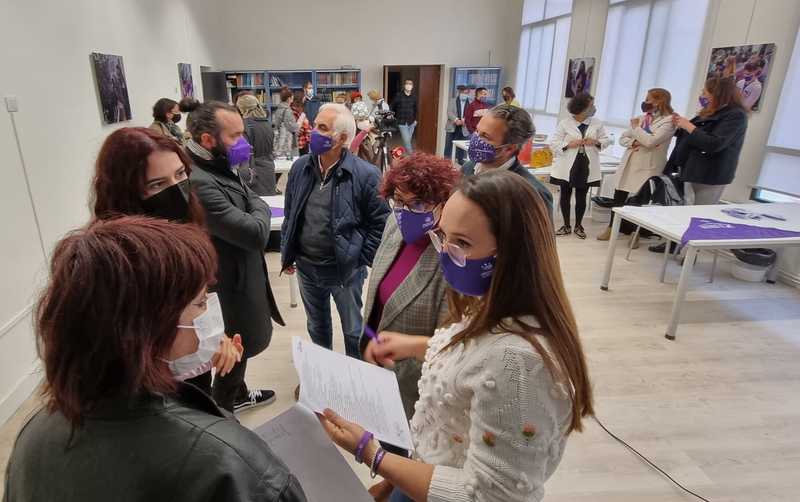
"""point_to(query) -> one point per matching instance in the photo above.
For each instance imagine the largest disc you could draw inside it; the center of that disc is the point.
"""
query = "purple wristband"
(366, 438)
(376, 461)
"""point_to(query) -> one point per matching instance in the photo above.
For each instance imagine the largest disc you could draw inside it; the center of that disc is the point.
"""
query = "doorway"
(427, 86)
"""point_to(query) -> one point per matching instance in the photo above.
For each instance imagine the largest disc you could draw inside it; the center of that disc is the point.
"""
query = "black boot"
(660, 248)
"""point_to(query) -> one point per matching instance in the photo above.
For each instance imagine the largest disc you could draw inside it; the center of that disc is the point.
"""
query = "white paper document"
(656, 214)
(297, 437)
(360, 392)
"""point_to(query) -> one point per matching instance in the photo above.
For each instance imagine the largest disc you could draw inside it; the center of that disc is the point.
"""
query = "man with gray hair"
(498, 139)
(333, 223)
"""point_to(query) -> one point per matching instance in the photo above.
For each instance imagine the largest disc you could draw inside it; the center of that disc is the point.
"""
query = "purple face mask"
(318, 143)
(473, 279)
(480, 151)
(414, 225)
(703, 101)
(483, 99)
(239, 152)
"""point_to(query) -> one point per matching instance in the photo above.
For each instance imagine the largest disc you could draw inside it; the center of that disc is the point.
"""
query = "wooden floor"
(718, 408)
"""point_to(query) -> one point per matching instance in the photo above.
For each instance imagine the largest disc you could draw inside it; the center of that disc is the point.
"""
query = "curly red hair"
(427, 176)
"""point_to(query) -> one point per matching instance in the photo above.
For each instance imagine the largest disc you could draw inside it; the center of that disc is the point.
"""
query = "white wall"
(321, 34)
(45, 62)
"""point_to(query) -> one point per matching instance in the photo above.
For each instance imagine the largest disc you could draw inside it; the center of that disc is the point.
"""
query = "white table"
(275, 226)
(283, 165)
(672, 222)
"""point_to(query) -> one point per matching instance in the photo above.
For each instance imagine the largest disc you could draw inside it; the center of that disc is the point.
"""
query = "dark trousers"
(580, 203)
(231, 387)
(620, 197)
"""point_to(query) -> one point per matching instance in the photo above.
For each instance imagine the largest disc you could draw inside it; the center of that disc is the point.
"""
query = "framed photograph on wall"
(112, 87)
(185, 74)
(579, 76)
(747, 65)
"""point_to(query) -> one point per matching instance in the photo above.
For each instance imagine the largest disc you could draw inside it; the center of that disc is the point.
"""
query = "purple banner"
(708, 229)
(277, 212)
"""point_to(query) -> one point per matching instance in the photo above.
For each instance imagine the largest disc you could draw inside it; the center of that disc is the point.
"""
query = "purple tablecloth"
(708, 229)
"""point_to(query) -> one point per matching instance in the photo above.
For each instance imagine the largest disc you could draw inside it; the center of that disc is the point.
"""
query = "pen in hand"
(372, 334)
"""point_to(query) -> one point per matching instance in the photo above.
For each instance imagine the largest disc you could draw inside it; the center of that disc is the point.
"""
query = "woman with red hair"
(140, 171)
(126, 303)
(406, 292)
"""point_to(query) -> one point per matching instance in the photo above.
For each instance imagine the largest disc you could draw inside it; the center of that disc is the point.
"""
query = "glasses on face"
(415, 206)
(455, 253)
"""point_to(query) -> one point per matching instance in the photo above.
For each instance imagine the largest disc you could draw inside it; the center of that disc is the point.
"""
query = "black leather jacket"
(161, 448)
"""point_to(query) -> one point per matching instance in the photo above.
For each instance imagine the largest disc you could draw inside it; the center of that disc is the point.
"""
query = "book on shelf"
(337, 78)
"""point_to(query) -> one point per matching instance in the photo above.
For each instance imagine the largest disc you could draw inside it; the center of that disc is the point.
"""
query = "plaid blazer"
(416, 307)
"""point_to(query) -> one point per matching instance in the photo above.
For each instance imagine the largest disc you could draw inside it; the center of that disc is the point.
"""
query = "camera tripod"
(383, 153)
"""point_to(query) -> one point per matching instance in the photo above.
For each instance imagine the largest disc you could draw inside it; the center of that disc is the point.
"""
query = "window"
(781, 168)
(543, 59)
(648, 43)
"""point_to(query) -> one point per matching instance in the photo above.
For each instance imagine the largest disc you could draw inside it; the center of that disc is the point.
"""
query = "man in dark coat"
(239, 224)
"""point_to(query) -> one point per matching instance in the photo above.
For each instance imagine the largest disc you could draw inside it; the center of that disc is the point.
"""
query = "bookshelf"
(331, 83)
(490, 77)
(253, 81)
(327, 83)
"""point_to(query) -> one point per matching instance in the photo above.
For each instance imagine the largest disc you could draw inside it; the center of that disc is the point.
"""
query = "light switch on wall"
(11, 104)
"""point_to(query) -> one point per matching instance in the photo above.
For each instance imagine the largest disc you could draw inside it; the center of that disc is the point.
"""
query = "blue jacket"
(358, 215)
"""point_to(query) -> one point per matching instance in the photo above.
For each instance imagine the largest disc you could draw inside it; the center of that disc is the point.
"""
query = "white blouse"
(490, 418)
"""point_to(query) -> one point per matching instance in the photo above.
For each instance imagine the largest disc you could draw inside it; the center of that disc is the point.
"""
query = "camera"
(385, 121)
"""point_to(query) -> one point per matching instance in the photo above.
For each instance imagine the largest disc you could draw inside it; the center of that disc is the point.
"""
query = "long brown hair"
(298, 101)
(120, 177)
(664, 99)
(723, 93)
(527, 282)
(110, 312)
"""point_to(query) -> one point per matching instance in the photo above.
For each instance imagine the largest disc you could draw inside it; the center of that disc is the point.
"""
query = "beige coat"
(163, 129)
(568, 131)
(640, 163)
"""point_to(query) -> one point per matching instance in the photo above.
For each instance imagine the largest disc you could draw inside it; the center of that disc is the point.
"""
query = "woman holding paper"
(505, 381)
(407, 291)
(125, 310)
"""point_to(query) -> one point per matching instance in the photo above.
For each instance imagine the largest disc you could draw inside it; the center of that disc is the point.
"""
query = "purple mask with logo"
(239, 152)
(480, 151)
(703, 101)
(414, 225)
(473, 279)
(318, 143)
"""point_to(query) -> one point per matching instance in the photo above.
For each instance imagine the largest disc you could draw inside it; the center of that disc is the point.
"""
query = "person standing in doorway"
(476, 110)
(406, 109)
(455, 127)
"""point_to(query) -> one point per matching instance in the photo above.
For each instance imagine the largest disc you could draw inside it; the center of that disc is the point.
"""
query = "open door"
(428, 124)
(427, 87)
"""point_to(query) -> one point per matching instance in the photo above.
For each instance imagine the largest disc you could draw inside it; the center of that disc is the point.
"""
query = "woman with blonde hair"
(257, 130)
(647, 143)
(505, 381)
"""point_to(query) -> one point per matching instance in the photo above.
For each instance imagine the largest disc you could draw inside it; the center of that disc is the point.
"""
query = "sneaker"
(659, 248)
(564, 230)
(580, 232)
(254, 398)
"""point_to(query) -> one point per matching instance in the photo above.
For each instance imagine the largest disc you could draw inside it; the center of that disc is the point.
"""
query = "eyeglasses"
(455, 253)
(415, 206)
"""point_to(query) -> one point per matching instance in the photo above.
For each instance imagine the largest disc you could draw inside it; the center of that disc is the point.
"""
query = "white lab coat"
(568, 131)
(640, 163)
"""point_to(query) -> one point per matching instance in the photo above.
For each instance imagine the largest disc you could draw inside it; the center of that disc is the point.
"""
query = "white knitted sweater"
(489, 418)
